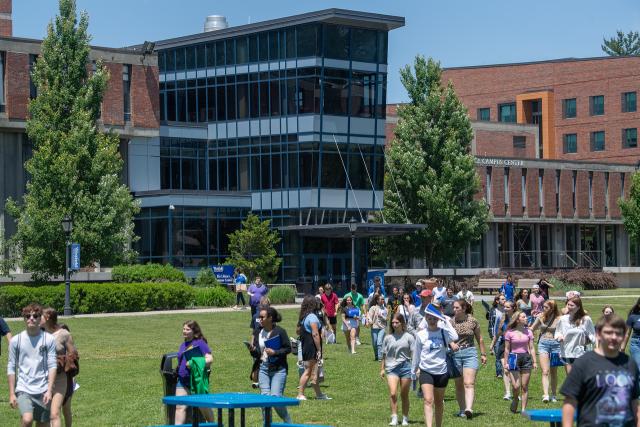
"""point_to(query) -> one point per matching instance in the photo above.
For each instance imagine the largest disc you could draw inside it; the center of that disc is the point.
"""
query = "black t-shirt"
(604, 389)
(633, 321)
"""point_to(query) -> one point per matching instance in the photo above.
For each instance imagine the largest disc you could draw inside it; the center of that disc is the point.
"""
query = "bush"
(282, 295)
(206, 279)
(99, 297)
(139, 273)
(587, 279)
(216, 296)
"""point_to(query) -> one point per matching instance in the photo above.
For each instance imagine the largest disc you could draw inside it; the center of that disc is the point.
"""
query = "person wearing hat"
(416, 294)
(430, 364)
(415, 322)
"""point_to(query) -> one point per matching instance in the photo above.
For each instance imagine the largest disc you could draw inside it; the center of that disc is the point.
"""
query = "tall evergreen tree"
(630, 209)
(623, 44)
(75, 167)
(430, 176)
(253, 249)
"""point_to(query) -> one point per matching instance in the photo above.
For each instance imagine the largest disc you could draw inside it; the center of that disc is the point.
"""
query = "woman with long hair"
(537, 301)
(548, 348)
(575, 331)
(63, 385)
(195, 344)
(309, 329)
(397, 351)
(495, 314)
(430, 364)
(519, 358)
(406, 308)
(466, 355)
(498, 343)
(523, 304)
(633, 332)
(272, 376)
(350, 321)
(377, 319)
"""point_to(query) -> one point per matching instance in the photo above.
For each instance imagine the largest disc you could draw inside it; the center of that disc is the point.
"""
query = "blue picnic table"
(231, 402)
(552, 416)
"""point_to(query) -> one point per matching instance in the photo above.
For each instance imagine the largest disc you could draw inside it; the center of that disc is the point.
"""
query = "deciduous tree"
(430, 176)
(75, 168)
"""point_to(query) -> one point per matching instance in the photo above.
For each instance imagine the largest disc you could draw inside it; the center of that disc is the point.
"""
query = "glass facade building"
(282, 118)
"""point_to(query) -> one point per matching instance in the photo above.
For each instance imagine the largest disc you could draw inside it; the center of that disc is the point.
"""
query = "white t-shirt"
(439, 293)
(431, 350)
(36, 357)
(466, 295)
(576, 337)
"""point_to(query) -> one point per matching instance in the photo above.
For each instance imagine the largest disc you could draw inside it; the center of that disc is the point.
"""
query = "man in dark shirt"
(4, 332)
(603, 384)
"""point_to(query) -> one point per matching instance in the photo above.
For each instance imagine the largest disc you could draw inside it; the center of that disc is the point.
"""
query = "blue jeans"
(272, 384)
(377, 337)
(498, 358)
(634, 349)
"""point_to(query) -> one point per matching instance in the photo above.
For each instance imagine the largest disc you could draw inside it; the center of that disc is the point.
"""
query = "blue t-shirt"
(372, 289)
(240, 278)
(633, 322)
(509, 290)
(416, 299)
(309, 320)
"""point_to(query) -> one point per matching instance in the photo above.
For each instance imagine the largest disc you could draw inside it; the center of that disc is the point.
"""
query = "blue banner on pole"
(224, 273)
(75, 256)
(374, 276)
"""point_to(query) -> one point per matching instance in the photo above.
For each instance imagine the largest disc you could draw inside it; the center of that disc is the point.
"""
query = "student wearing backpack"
(31, 369)
(65, 351)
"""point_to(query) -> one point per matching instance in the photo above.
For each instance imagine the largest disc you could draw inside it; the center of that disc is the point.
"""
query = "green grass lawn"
(120, 383)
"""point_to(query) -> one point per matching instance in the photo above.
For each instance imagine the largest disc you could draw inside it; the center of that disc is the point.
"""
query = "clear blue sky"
(455, 32)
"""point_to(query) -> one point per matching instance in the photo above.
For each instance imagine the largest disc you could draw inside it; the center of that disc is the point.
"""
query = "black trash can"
(168, 367)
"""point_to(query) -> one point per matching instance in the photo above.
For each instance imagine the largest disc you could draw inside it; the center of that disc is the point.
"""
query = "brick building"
(555, 145)
(130, 107)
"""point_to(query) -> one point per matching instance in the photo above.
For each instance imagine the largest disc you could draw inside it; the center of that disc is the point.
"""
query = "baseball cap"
(426, 293)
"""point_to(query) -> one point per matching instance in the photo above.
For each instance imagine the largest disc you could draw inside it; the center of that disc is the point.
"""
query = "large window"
(630, 138)
(569, 108)
(629, 102)
(484, 114)
(570, 143)
(507, 113)
(126, 91)
(336, 92)
(336, 42)
(596, 105)
(597, 141)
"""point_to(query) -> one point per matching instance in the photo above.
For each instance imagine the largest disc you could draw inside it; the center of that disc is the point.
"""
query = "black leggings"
(240, 297)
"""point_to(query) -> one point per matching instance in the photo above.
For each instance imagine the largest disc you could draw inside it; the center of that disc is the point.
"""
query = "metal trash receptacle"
(168, 367)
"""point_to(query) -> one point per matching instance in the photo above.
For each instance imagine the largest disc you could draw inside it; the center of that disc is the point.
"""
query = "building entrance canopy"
(360, 230)
(353, 229)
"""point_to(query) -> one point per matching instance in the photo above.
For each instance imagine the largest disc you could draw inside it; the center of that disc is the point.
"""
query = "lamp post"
(67, 226)
(353, 226)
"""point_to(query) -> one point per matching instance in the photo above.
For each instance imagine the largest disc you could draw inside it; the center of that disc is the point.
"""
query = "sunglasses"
(32, 316)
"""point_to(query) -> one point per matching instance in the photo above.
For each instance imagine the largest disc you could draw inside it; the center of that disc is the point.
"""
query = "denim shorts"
(466, 358)
(548, 346)
(402, 371)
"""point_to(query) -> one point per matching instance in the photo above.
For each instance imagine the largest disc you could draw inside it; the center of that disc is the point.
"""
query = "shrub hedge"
(141, 273)
(99, 297)
(578, 278)
(216, 296)
(282, 294)
(206, 279)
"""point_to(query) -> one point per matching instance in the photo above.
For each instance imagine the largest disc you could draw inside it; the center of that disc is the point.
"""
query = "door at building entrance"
(333, 268)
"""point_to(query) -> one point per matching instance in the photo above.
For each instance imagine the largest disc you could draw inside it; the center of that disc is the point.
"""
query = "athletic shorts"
(436, 380)
(524, 362)
(333, 320)
(33, 404)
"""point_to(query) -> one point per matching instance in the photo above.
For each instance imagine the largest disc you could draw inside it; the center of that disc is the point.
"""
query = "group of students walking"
(42, 364)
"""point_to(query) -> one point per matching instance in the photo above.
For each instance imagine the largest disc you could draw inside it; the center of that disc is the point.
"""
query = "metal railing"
(551, 259)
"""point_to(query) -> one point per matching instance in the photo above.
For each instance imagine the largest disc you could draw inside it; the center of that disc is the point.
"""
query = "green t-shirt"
(358, 299)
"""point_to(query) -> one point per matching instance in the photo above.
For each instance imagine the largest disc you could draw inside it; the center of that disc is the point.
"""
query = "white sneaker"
(394, 420)
(301, 397)
(358, 341)
(507, 396)
(461, 414)
(553, 399)
(323, 397)
(405, 421)
(545, 399)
